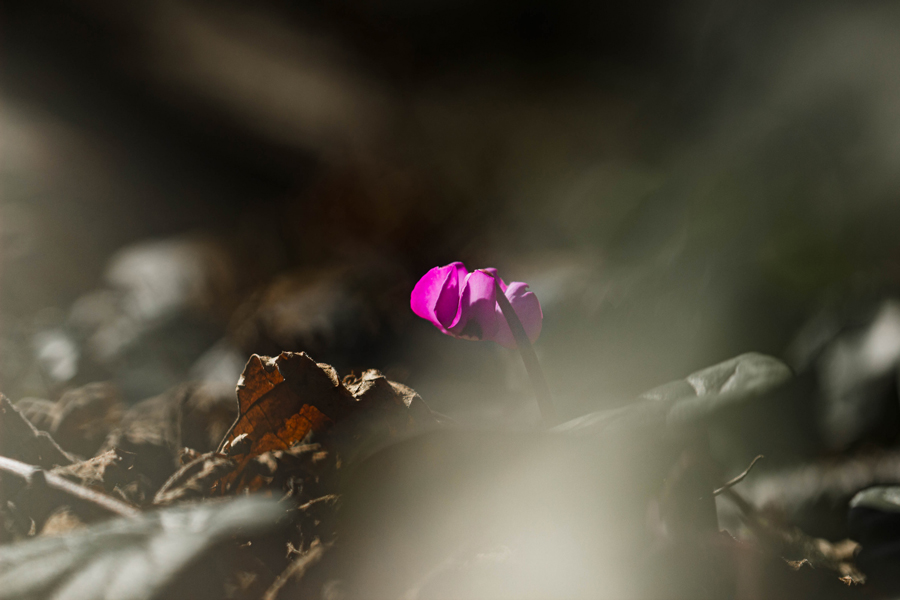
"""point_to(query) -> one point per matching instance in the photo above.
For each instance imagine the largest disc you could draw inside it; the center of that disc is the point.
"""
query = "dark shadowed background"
(185, 183)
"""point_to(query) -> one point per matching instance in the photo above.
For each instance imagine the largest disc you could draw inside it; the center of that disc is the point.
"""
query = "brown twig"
(535, 373)
(35, 476)
(739, 478)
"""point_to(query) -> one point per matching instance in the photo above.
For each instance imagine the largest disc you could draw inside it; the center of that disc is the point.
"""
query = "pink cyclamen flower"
(464, 304)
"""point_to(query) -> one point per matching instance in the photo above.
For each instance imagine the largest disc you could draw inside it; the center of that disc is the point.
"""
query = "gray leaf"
(881, 498)
(725, 384)
(689, 400)
(127, 559)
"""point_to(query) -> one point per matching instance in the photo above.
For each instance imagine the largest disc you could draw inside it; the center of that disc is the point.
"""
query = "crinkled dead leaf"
(305, 466)
(195, 479)
(206, 414)
(280, 401)
(84, 416)
(386, 412)
(103, 472)
(283, 400)
(799, 548)
(156, 430)
(30, 495)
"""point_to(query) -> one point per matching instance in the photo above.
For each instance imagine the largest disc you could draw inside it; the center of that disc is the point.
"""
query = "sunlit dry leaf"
(280, 401)
(283, 400)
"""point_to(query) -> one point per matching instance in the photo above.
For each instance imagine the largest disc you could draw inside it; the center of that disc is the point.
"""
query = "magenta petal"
(527, 308)
(477, 318)
(493, 272)
(461, 272)
(425, 294)
(464, 304)
(436, 296)
(446, 308)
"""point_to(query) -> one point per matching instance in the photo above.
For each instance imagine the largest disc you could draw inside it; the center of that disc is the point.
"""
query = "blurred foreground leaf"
(130, 559)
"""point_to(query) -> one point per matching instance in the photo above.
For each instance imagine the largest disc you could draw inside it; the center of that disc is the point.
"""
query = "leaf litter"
(258, 509)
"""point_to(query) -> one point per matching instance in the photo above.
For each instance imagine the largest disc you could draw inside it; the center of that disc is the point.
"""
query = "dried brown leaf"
(157, 430)
(280, 401)
(309, 466)
(84, 416)
(195, 479)
(151, 431)
(103, 472)
(283, 400)
(206, 414)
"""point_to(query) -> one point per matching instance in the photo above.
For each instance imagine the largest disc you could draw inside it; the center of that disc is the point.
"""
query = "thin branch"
(739, 478)
(35, 476)
(535, 373)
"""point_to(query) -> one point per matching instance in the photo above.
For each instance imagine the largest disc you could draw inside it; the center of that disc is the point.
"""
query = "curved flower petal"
(447, 307)
(464, 304)
(527, 308)
(477, 318)
(436, 295)
(461, 272)
(493, 272)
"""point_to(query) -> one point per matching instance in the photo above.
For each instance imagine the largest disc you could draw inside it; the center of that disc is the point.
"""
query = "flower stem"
(535, 373)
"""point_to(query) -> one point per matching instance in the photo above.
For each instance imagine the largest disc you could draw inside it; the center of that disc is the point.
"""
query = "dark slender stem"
(535, 373)
(31, 474)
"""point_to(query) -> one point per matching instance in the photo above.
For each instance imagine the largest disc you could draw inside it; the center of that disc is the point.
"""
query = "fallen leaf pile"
(173, 464)
(315, 486)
